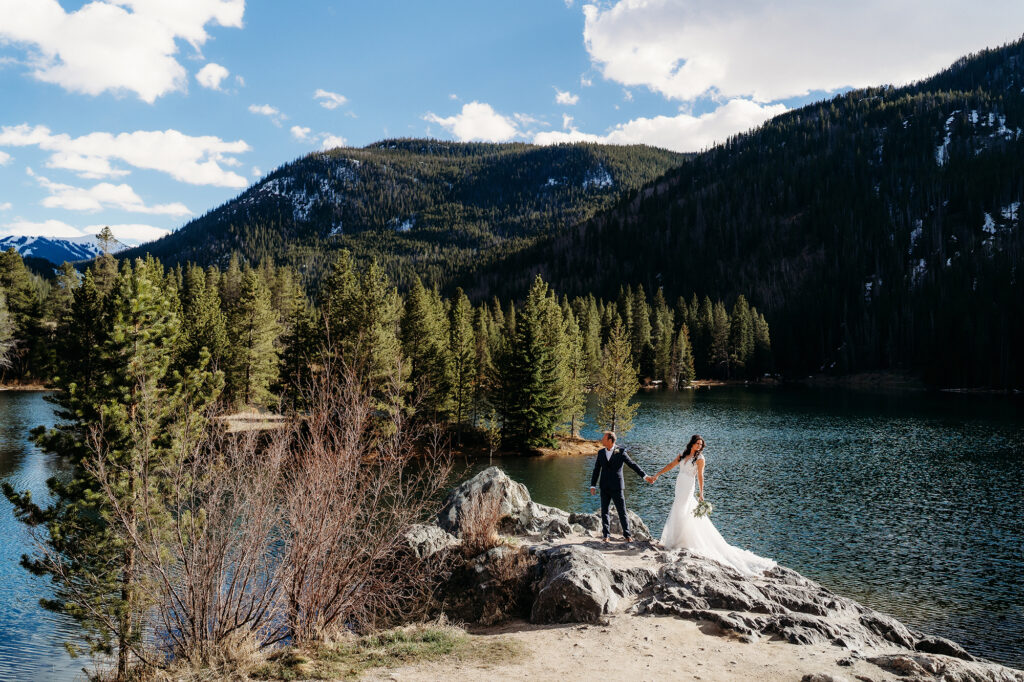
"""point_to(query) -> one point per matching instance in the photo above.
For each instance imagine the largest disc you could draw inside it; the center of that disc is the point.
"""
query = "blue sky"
(141, 114)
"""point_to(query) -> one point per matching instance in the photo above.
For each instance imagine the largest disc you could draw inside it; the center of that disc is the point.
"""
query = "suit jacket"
(609, 469)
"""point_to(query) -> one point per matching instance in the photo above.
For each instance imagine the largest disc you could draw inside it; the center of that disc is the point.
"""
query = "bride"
(684, 530)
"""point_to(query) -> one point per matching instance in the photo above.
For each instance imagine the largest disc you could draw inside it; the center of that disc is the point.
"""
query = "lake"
(910, 503)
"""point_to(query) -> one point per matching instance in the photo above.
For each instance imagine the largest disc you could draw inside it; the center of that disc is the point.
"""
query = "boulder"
(425, 539)
(516, 509)
(934, 667)
(575, 585)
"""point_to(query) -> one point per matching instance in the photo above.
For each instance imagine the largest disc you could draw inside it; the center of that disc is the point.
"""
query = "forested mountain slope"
(435, 208)
(879, 229)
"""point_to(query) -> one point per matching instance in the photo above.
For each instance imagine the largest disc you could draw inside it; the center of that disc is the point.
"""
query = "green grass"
(348, 658)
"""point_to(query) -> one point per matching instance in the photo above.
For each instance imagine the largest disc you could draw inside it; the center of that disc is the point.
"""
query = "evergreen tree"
(202, 320)
(462, 350)
(578, 374)
(741, 336)
(617, 384)
(484, 337)
(362, 317)
(702, 335)
(662, 337)
(425, 341)
(529, 384)
(252, 353)
(123, 419)
(682, 372)
(6, 333)
(718, 352)
(762, 356)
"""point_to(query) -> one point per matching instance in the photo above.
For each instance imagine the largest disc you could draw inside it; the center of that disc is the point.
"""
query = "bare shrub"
(354, 485)
(478, 524)
(203, 537)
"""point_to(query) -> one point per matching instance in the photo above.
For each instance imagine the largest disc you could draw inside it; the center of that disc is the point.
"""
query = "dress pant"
(607, 497)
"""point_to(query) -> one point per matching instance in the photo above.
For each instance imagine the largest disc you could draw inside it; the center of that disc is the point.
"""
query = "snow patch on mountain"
(598, 178)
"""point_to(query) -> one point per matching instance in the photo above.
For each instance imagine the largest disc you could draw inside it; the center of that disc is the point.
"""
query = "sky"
(143, 114)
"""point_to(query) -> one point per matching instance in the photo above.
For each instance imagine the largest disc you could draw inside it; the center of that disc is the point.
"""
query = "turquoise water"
(909, 503)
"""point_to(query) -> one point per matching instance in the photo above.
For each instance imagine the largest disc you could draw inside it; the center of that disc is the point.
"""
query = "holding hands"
(650, 479)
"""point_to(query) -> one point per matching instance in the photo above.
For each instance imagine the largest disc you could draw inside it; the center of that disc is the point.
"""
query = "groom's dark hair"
(610, 434)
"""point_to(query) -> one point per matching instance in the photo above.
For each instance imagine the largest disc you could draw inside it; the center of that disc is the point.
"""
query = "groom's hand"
(649, 479)
(593, 490)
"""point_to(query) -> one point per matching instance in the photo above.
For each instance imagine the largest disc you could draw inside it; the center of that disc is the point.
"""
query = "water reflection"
(31, 638)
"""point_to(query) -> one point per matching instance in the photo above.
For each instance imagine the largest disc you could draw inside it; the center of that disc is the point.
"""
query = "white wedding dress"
(684, 530)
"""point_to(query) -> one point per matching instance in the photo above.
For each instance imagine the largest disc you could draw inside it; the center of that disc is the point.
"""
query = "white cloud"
(275, 116)
(585, 82)
(681, 133)
(566, 122)
(211, 75)
(240, 81)
(6, 206)
(123, 45)
(477, 121)
(565, 98)
(328, 141)
(300, 133)
(132, 233)
(328, 99)
(772, 50)
(257, 172)
(453, 96)
(48, 228)
(100, 196)
(195, 160)
(5, 158)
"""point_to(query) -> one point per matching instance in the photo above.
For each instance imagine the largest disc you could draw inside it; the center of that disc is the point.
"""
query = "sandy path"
(637, 648)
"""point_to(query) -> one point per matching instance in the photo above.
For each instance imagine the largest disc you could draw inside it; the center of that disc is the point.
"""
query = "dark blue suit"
(608, 468)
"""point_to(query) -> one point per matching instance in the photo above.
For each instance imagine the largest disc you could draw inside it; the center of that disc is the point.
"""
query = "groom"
(608, 466)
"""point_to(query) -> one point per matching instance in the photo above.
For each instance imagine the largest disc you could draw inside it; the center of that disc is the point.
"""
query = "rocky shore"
(571, 578)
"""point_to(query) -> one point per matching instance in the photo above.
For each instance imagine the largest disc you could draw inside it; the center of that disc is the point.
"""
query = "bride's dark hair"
(690, 446)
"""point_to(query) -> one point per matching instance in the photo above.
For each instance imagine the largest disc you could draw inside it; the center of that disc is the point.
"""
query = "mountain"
(880, 229)
(439, 209)
(56, 251)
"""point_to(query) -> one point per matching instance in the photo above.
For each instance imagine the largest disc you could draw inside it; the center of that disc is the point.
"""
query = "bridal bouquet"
(703, 509)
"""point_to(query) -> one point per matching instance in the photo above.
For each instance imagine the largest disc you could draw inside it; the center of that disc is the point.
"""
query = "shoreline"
(24, 388)
(677, 614)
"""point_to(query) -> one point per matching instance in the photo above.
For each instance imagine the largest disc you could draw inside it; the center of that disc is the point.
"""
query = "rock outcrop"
(575, 578)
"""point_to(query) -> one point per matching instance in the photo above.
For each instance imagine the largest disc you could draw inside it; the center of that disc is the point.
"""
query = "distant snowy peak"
(57, 251)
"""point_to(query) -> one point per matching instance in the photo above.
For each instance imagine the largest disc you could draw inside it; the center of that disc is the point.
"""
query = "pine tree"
(462, 349)
(617, 384)
(718, 353)
(424, 333)
(122, 422)
(252, 355)
(578, 374)
(682, 371)
(762, 356)
(741, 336)
(529, 383)
(702, 333)
(202, 320)
(6, 333)
(362, 319)
(662, 337)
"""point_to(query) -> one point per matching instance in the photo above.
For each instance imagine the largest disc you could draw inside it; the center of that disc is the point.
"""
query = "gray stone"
(426, 539)
(516, 507)
(931, 644)
(575, 586)
(935, 667)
